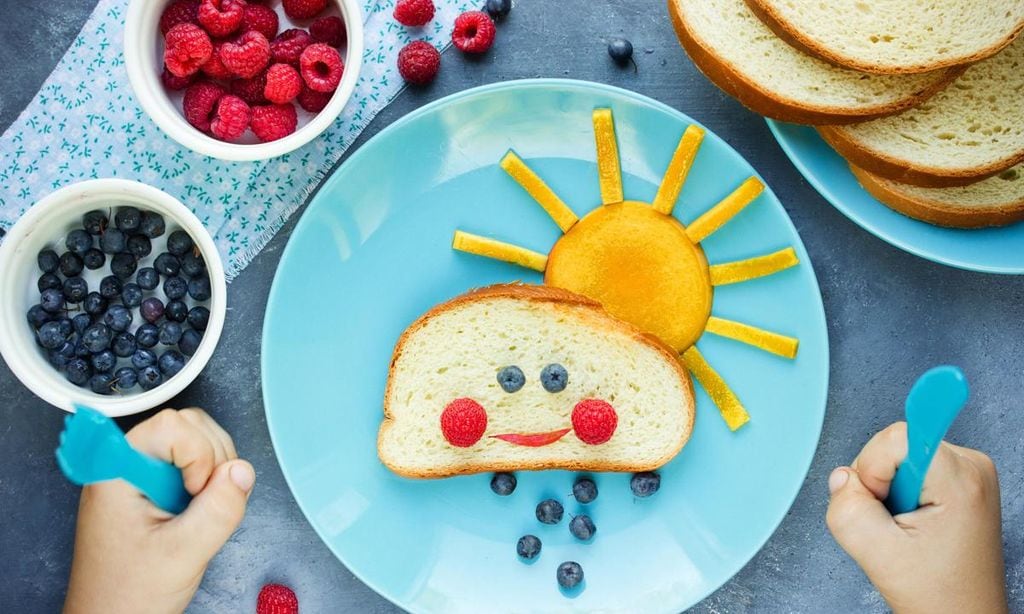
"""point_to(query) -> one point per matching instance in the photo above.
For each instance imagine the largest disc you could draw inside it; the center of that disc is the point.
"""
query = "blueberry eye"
(554, 378)
(511, 378)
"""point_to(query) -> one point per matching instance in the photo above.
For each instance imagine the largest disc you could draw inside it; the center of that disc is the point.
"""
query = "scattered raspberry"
(418, 62)
(214, 67)
(199, 103)
(312, 100)
(248, 56)
(463, 422)
(288, 46)
(180, 11)
(250, 90)
(221, 17)
(186, 49)
(474, 32)
(594, 421)
(230, 119)
(328, 30)
(261, 19)
(414, 12)
(283, 84)
(272, 122)
(277, 599)
(304, 9)
(174, 82)
(321, 67)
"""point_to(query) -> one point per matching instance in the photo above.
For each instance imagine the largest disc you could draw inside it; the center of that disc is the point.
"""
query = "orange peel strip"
(540, 191)
(499, 250)
(715, 217)
(678, 169)
(728, 404)
(752, 268)
(608, 172)
(751, 335)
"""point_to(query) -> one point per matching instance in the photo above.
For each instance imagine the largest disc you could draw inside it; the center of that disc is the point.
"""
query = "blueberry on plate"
(103, 362)
(78, 371)
(175, 287)
(550, 511)
(70, 264)
(176, 311)
(78, 241)
(511, 378)
(150, 378)
(199, 288)
(81, 322)
(124, 344)
(582, 527)
(123, 265)
(554, 378)
(584, 490)
(75, 289)
(49, 280)
(147, 278)
(167, 264)
(97, 338)
(139, 246)
(645, 484)
(131, 294)
(94, 303)
(118, 318)
(178, 242)
(128, 219)
(113, 241)
(171, 362)
(49, 335)
(48, 261)
(199, 318)
(52, 300)
(102, 383)
(143, 358)
(152, 224)
(170, 333)
(60, 356)
(110, 287)
(189, 342)
(147, 335)
(503, 484)
(569, 574)
(125, 378)
(94, 259)
(192, 264)
(528, 547)
(94, 222)
(37, 316)
(152, 309)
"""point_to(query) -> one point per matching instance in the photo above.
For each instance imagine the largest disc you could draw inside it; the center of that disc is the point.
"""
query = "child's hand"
(945, 556)
(131, 556)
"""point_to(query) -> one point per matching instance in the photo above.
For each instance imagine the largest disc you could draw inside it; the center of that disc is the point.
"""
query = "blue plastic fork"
(934, 402)
(93, 449)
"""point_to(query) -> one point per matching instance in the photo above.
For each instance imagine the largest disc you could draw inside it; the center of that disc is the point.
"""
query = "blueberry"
(199, 288)
(511, 378)
(113, 241)
(49, 280)
(170, 333)
(66, 326)
(103, 362)
(147, 278)
(192, 264)
(94, 304)
(81, 322)
(37, 316)
(582, 527)
(152, 224)
(52, 300)
(125, 378)
(128, 219)
(498, 8)
(189, 343)
(94, 259)
(152, 309)
(110, 287)
(78, 371)
(61, 355)
(554, 377)
(528, 547)
(70, 264)
(94, 222)
(171, 362)
(124, 344)
(549, 511)
(131, 295)
(139, 246)
(176, 311)
(167, 264)
(102, 383)
(147, 335)
(175, 287)
(143, 358)
(48, 261)
(97, 337)
(150, 378)
(178, 242)
(49, 335)
(118, 318)
(621, 50)
(78, 241)
(75, 289)
(199, 318)
(123, 265)
(645, 484)
(81, 351)
(503, 484)
(569, 574)
(584, 490)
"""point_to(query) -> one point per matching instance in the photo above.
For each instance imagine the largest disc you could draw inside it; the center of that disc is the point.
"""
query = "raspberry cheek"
(463, 422)
(594, 421)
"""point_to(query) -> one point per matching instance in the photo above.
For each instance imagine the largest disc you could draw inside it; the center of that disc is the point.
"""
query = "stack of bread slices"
(925, 99)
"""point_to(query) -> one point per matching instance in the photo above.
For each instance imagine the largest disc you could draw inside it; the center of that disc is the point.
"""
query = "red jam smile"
(533, 440)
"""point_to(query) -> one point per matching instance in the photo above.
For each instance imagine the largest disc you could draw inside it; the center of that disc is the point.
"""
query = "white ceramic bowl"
(45, 224)
(143, 56)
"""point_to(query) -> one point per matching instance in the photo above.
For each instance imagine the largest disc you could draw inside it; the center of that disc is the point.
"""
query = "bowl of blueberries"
(113, 296)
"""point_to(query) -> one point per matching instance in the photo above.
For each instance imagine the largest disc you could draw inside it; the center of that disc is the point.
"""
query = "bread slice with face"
(519, 377)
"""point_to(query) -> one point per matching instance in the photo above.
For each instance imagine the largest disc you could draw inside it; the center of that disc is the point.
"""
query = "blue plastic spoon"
(93, 449)
(932, 405)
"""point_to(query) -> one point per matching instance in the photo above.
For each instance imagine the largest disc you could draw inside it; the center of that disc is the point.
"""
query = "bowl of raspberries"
(243, 79)
(113, 297)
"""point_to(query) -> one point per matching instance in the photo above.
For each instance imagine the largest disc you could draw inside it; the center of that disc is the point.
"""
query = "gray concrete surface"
(891, 316)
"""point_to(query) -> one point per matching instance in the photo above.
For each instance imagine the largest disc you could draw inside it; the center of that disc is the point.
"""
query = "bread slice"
(971, 130)
(456, 350)
(895, 36)
(996, 201)
(739, 54)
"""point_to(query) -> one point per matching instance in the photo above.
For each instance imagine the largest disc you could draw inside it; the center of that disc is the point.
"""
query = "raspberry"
(199, 103)
(463, 422)
(418, 62)
(250, 90)
(186, 48)
(231, 118)
(414, 12)
(594, 421)
(474, 32)
(304, 9)
(321, 67)
(272, 122)
(283, 84)
(248, 56)
(174, 82)
(180, 11)
(221, 17)
(214, 67)
(328, 30)
(312, 100)
(288, 46)
(277, 599)
(261, 19)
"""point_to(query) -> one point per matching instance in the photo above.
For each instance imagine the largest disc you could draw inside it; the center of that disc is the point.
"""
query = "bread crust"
(539, 294)
(905, 171)
(937, 212)
(757, 99)
(792, 35)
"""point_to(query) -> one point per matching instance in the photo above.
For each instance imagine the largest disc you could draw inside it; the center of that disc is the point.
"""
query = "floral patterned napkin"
(85, 123)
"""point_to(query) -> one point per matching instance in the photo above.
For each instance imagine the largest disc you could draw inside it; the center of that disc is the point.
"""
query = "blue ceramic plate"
(372, 253)
(988, 250)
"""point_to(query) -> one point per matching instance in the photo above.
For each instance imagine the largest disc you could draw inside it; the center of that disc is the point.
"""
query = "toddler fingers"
(170, 437)
(876, 464)
(856, 518)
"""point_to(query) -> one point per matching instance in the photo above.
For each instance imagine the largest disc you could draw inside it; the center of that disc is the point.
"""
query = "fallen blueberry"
(528, 546)
(189, 342)
(178, 242)
(199, 288)
(511, 378)
(498, 8)
(49, 280)
(75, 289)
(139, 246)
(70, 264)
(645, 484)
(123, 265)
(147, 278)
(503, 484)
(94, 303)
(147, 335)
(128, 219)
(103, 362)
(94, 222)
(97, 337)
(150, 378)
(113, 241)
(48, 261)
(118, 318)
(199, 318)
(78, 371)
(175, 287)
(143, 358)
(176, 311)
(549, 511)
(152, 224)
(125, 378)
(124, 344)
(49, 335)
(171, 362)
(102, 383)
(170, 333)
(110, 287)
(52, 300)
(584, 490)
(94, 259)
(582, 527)
(78, 241)
(167, 264)
(131, 295)
(621, 50)
(554, 378)
(569, 574)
